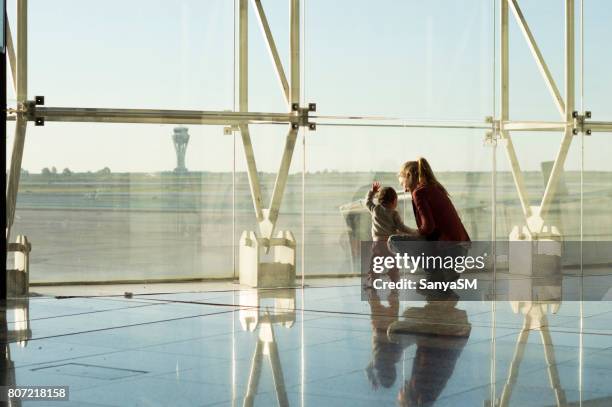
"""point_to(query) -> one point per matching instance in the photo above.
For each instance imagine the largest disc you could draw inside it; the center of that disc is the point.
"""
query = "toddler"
(386, 221)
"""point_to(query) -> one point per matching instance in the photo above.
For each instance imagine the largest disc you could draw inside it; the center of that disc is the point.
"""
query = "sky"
(402, 58)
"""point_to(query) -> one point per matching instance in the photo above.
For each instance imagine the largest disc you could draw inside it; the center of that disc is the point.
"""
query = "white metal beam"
(271, 213)
(294, 49)
(533, 126)
(504, 67)
(517, 174)
(268, 224)
(243, 56)
(599, 126)
(12, 187)
(243, 102)
(22, 51)
(68, 114)
(14, 173)
(281, 182)
(252, 172)
(504, 50)
(267, 33)
(535, 50)
(557, 168)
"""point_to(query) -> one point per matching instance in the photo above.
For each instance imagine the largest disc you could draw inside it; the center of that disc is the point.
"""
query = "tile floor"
(318, 346)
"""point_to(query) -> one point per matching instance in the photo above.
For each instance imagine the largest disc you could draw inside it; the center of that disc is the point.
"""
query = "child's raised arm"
(370, 196)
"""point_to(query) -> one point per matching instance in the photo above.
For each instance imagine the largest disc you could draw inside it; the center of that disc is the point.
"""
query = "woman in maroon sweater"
(435, 215)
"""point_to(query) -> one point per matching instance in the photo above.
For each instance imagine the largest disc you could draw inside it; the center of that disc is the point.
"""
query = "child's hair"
(386, 195)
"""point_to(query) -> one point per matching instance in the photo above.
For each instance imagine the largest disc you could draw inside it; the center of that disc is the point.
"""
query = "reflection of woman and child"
(437, 348)
(440, 332)
(435, 215)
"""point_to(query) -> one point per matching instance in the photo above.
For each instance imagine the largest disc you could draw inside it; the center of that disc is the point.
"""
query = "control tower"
(180, 138)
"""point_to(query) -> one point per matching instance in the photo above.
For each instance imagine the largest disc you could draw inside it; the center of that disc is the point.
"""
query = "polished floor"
(317, 346)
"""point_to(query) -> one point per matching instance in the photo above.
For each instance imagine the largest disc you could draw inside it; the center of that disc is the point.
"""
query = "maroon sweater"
(435, 215)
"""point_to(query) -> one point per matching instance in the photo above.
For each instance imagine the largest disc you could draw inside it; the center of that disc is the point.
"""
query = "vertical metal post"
(22, 51)
(581, 335)
(551, 185)
(243, 56)
(294, 49)
(281, 178)
(505, 108)
(236, 107)
(570, 92)
(243, 104)
(503, 61)
(21, 122)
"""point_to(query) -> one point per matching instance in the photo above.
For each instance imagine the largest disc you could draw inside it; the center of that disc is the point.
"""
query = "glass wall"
(412, 80)
(109, 203)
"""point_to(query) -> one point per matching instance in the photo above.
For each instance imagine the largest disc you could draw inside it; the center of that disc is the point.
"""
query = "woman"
(436, 218)
(435, 215)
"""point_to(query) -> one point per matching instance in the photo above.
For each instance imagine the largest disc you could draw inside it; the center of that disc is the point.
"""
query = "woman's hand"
(375, 186)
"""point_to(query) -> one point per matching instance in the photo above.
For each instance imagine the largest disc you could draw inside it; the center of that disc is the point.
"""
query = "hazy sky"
(407, 58)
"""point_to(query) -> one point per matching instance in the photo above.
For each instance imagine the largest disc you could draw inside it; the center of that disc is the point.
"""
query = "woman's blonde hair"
(423, 173)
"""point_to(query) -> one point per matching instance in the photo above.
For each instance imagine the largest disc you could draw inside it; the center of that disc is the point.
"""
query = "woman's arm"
(427, 223)
(401, 227)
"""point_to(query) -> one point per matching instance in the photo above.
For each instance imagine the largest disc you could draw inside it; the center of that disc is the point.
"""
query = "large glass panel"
(597, 188)
(137, 54)
(426, 60)
(343, 161)
(266, 93)
(597, 58)
(530, 96)
(114, 202)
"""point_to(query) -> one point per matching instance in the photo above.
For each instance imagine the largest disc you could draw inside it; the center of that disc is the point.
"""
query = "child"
(386, 221)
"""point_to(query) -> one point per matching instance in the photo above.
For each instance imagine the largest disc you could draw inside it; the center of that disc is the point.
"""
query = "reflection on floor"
(317, 346)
